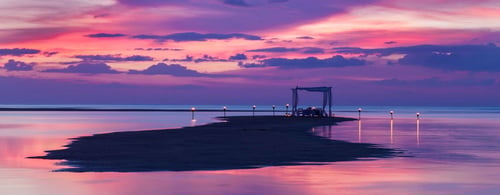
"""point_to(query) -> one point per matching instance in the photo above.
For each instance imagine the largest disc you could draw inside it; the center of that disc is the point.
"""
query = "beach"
(235, 143)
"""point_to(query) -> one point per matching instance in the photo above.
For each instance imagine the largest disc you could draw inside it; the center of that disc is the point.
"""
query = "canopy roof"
(327, 97)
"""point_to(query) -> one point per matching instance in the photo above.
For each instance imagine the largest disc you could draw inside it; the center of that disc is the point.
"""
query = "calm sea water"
(451, 150)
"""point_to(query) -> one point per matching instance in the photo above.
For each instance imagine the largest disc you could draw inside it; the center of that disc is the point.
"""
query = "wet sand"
(238, 143)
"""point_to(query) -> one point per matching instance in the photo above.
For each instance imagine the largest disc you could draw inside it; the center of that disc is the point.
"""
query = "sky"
(372, 52)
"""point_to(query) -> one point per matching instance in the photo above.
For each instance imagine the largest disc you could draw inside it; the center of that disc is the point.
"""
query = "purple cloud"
(390, 42)
(105, 35)
(113, 58)
(86, 68)
(310, 62)
(305, 50)
(50, 53)
(305, 37)
(165, 69)
(137, 58)
(101, 15)
(275, 49)
(437, 82)
(312, 50)
(231, 16)
(151, 3)
(239, 56)
(193, 36)
(278, 1)
(157, 49)
(476, 58)
(18, 52)
(256, 57)
(240, 3)
(13, 65)
(188, 58)
(204, 58)
(207, 58)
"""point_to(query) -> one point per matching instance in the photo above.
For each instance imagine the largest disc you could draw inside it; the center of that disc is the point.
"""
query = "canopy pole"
(330, 102)
(327, 98)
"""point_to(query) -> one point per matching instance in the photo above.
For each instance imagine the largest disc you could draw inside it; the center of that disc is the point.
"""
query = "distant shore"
(127, 110)
(76, 109)
(237, 143)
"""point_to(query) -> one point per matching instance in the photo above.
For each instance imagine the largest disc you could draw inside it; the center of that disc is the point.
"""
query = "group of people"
(312, 112)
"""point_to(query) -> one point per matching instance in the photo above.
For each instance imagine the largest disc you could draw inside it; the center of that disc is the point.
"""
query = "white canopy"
(327, 97)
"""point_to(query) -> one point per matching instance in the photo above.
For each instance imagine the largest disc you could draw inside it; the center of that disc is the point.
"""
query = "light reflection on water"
(452, 154)
(432, 139)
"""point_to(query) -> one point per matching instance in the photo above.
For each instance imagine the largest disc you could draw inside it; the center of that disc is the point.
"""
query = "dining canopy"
(327, 98)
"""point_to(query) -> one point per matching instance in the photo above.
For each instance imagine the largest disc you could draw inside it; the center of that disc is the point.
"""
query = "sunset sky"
(373, 52)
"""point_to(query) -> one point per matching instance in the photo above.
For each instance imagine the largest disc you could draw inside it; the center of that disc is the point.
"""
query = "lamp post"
(392, 127)
(224, 108)
(253, 111)
(359, 113)
(286, 113)
(192, 113)
(418, 128)
(274, 107)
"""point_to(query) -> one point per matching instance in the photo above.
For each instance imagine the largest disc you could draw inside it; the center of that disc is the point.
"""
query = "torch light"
(192, 113)
(286, 113)
(253, 111)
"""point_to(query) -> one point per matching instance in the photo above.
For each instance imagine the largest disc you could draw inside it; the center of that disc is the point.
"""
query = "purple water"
(454, 152)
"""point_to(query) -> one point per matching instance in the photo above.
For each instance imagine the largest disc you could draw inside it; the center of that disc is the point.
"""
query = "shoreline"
(241, 142)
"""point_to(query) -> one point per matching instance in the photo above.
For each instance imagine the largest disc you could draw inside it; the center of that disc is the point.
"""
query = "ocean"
(448, 150)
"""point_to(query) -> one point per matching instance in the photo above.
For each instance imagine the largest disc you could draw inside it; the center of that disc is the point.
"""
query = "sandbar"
(238, 142)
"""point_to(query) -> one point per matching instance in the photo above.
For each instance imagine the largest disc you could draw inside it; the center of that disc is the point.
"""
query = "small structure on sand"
(312, 111)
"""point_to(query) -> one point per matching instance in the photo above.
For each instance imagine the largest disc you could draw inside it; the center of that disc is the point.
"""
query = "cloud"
(117, 58)
(275, 49)
(193, 36)
(165, 69)
(138, 58)
(188, 58)
(87, 68)
(102, 15)
(435, 82)
(310, 62)
(475, 58)
(305, 50)
(204, 58)
(312, 50)
(13, 65)
(207, 58)
(305, 37)
(18, 52)
(238, 15)
(105, 35)
(49, 53)
(239, 56)
(256, 57)
(390, 42)
(239, 3)
(278, 1)
(158, 49)
(55, 91)
(151, 3)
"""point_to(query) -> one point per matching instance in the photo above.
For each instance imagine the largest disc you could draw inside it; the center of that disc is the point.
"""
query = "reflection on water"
(392, 130)
(359, 130)
(418, 131)
(453, 154)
